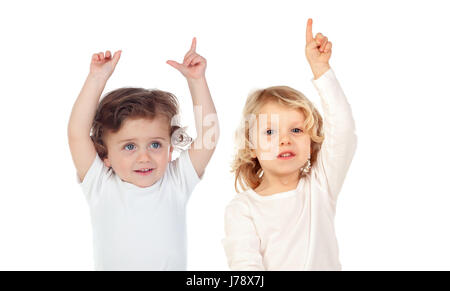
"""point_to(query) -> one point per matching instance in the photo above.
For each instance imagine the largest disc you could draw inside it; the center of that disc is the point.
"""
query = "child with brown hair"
(292, 165)
(122, 151)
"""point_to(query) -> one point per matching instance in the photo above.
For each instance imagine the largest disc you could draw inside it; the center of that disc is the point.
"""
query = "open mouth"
(286, 155)
(145, 171)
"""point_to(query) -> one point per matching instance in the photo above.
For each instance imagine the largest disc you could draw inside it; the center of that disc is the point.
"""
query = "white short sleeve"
(182, 173)
(94, 179)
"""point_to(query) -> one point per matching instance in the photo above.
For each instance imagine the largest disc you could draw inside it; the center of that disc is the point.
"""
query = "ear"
(170, 153)
(253, 153)
(107, 162)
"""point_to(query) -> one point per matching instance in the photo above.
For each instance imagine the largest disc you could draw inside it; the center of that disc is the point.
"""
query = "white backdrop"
(391, 58)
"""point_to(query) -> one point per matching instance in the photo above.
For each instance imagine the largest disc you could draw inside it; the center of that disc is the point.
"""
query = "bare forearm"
(201, 98)
(83, 110)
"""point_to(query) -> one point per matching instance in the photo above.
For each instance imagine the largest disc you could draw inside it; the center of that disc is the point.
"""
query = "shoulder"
(182, 165)
(180, 176)
(96, 169)
(96, 179)
(240, 204)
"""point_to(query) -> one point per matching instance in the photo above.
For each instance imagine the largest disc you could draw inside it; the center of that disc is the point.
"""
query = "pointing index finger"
(194, 44)
(309, 34)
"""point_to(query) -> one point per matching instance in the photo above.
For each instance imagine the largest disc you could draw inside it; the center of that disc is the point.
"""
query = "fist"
(193, 66)
(318, 49)
(104, 64)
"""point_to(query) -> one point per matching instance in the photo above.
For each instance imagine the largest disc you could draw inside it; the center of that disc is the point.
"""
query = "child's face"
(282, 146)
(140, 151)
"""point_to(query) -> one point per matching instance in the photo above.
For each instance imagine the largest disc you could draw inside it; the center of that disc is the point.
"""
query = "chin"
(287, 171)
(144, 185)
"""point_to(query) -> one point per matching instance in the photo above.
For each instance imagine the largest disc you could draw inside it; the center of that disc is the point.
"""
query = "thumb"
(175, 64)
(116, 57)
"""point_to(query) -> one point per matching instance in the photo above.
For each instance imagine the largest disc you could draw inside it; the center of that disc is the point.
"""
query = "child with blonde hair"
(291, 165)
(122, 150)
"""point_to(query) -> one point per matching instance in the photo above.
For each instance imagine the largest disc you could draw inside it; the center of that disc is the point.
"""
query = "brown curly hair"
(130, 103)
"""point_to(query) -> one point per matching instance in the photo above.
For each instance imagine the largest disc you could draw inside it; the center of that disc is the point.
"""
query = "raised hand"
(103, 64)
(317, 50)
(193, 66)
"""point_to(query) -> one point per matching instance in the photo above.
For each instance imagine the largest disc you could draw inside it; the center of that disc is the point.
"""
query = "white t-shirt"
(294, 230)
(140, 228)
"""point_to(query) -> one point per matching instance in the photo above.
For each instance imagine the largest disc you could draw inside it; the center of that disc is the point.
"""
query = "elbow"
(217, 135)
(211, 135)
(75, 132)
(217, 130)
(71, 133)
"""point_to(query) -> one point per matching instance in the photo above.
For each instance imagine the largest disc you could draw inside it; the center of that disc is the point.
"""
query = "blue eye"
(297, 130)
(269, 131)
(155, 145)
(129, 147)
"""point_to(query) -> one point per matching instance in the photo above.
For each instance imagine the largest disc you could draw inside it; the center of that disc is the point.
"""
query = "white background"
(391, 58)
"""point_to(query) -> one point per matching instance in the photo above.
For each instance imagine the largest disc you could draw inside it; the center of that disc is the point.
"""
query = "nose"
(143, 157)
(285, 139)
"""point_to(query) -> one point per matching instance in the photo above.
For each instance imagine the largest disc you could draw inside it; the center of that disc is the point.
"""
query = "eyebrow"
(133, 139)
(294, 123)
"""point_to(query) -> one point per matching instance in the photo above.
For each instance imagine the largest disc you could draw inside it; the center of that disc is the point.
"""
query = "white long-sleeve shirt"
(294, 230)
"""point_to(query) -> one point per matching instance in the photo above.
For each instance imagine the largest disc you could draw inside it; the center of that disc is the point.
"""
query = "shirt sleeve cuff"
(324, 79)
(332, 96)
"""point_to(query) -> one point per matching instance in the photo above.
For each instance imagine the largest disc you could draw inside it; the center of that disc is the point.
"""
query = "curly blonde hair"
(247, 170)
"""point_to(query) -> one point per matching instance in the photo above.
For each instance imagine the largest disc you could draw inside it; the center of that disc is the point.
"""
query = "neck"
(272, 183)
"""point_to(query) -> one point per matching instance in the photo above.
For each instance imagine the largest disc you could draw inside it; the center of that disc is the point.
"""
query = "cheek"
(162, 157)
(266, 143)
(123, 161)
(266, 164)
(308, 142)
(267, 154)
(119, 163)
(304, 145)
(122, 158)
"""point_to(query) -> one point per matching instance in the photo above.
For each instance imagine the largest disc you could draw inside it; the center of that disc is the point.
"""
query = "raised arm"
(193, 69)
(339, 145)
(83, 111)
